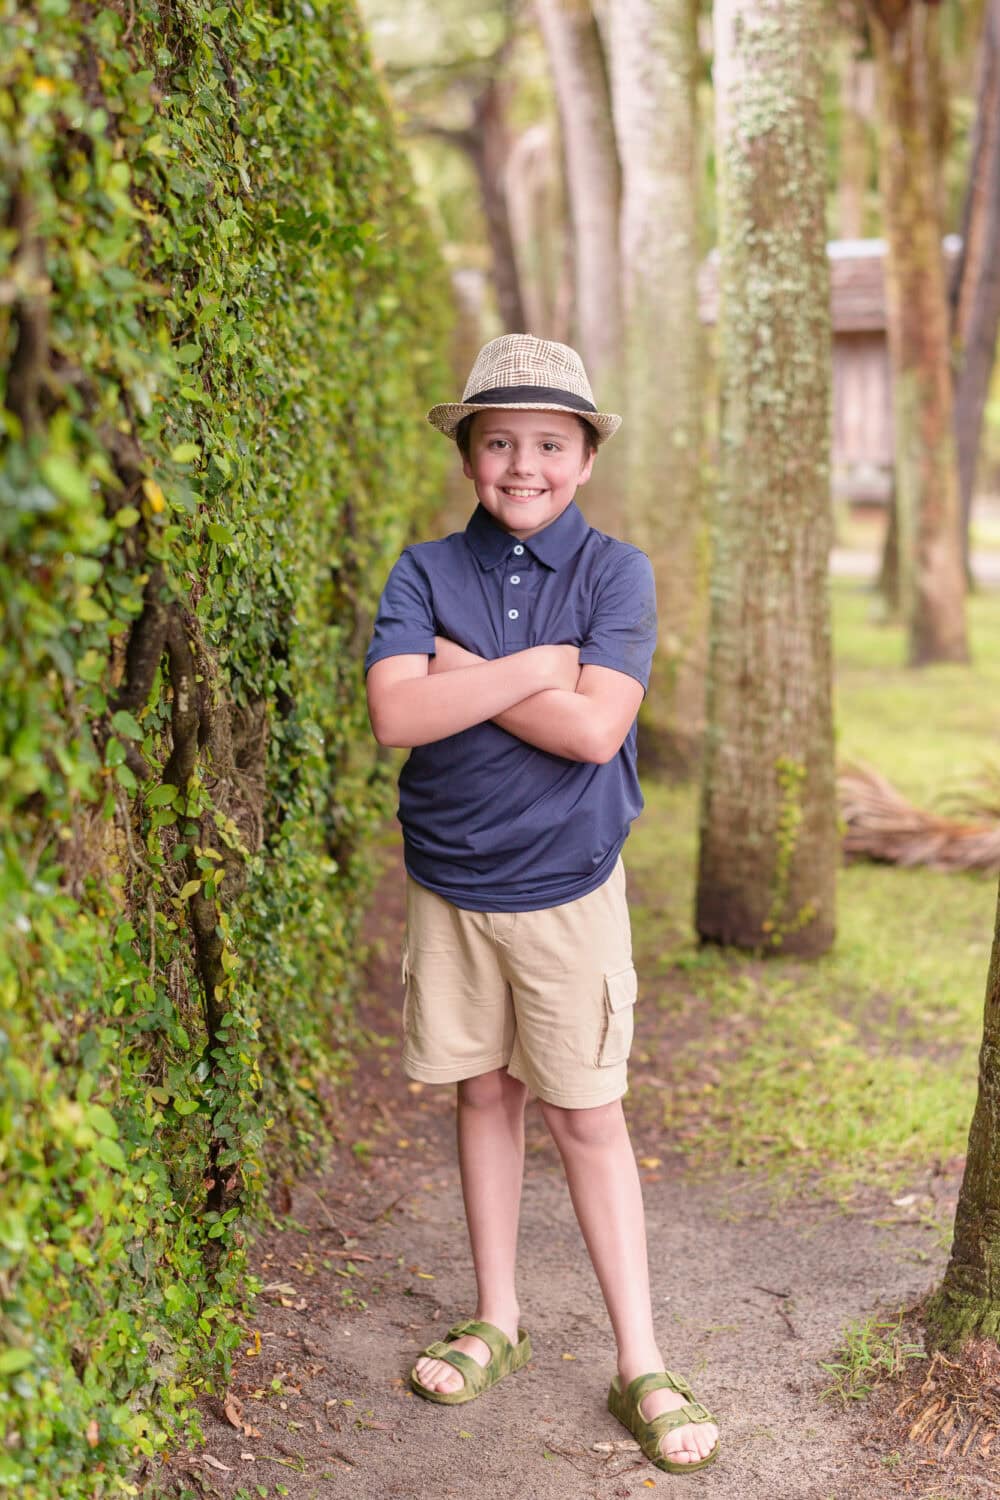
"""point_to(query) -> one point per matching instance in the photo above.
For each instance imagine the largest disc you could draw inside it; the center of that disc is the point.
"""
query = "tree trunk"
(489, 144)
(768, 852)
(654, 58)
(593, 190)
(857, 104)
(976, 295)
(931, 573)
(537, 219)
(579, 76)
(967, 1304)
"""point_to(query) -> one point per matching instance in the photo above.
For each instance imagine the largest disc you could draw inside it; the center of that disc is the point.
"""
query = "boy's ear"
(467, 468)
(585, 472)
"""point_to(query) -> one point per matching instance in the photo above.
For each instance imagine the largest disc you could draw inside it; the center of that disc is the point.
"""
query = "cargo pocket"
(619, 1017)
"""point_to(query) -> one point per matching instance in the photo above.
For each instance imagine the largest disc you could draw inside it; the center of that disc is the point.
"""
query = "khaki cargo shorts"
(549, 994)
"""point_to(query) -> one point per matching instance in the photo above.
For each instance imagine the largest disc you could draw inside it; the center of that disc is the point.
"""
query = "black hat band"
(503, 395)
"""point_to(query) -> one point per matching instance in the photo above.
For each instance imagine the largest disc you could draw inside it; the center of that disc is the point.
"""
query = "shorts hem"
(563, 1100)
(455, 1073)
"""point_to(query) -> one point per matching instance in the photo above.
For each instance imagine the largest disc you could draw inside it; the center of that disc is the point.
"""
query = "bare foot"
(438, 1375)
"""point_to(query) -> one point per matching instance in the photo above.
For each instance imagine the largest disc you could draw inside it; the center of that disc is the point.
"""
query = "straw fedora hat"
(522, 373)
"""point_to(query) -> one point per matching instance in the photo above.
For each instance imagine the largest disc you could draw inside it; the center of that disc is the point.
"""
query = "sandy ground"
(750, 1295)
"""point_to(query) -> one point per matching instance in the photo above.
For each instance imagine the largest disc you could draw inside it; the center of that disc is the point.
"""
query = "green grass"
(872, 1350)
(859, 1067)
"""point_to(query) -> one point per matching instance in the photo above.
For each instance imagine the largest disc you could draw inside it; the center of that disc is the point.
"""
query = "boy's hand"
(564, 663)
(448, 655)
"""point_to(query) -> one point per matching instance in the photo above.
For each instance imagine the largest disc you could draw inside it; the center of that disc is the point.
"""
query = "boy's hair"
(463, 435)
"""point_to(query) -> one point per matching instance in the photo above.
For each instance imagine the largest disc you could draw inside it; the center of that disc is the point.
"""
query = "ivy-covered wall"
(221, 320)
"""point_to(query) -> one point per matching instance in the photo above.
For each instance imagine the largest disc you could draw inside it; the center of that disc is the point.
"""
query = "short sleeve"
(622, 632)
(404, 624)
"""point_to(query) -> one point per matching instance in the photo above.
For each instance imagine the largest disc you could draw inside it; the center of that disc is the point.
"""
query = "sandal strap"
(661, 1380)
(667, 1380)
(472, 1372)
(494, 1338)
(658, 1427)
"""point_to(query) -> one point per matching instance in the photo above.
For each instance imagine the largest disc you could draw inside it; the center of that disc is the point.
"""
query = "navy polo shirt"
(490, 822)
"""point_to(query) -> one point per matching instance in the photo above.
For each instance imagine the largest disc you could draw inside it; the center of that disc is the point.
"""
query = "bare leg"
(607, 1197)
(491, 1161)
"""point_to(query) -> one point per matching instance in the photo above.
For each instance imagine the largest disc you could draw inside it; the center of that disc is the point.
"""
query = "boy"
(511, 660)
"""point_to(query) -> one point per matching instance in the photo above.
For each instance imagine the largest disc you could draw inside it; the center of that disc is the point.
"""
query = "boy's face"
(526, 466)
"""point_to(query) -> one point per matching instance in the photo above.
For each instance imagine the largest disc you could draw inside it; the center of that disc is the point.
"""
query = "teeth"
(521, 493)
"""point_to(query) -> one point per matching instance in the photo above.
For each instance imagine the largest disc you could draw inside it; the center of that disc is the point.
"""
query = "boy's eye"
(496, 442)
(552, 447)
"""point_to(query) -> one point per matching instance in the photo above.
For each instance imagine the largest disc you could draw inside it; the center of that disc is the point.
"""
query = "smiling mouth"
(520, 494)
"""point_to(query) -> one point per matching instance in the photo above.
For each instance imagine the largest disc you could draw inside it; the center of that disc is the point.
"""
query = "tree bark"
(489, 147)
(768, 849)
(976, 292)
(593, 191)
(580, 79)
(654, 57)
(857, 103)
(537, 218)
(967, 1304)
(931, 572)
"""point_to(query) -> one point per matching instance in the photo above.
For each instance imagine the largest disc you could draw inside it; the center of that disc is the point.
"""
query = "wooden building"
(862, 392)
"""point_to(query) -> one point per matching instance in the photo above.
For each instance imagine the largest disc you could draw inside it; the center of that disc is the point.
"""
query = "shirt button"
(518, 550)
(515, 578)
(512, 614)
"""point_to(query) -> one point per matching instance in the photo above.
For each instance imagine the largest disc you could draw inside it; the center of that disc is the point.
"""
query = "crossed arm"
(541, 695)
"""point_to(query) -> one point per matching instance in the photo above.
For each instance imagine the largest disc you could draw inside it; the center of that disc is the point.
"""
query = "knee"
(598, 1127)
(494, 1090)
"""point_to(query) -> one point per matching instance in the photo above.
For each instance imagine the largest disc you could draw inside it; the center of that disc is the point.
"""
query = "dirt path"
(373, 1265)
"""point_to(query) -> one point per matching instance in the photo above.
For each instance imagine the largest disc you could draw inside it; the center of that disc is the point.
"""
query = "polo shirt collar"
(553, 546)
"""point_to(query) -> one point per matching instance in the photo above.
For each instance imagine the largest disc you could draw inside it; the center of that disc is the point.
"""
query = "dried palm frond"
(880, 824)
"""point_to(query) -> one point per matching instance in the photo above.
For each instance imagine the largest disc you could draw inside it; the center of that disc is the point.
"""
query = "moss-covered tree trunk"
(654, 61)
(928, 537)
(968, 1302)
(768, 848)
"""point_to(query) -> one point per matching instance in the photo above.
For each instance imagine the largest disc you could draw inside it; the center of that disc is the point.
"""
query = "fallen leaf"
(249, 1458)
(649, 1161)
(426, 1275)
(233, 1409)
(213, 1463)
(569, 1356)
(625, 1445)
(464, 1434)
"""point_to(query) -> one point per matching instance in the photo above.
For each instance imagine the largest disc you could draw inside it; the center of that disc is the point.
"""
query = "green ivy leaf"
(126, 724)
(110, 1153)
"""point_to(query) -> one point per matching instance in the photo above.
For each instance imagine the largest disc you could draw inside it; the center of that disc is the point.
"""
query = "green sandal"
(505, 1358)
(649, 1434)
